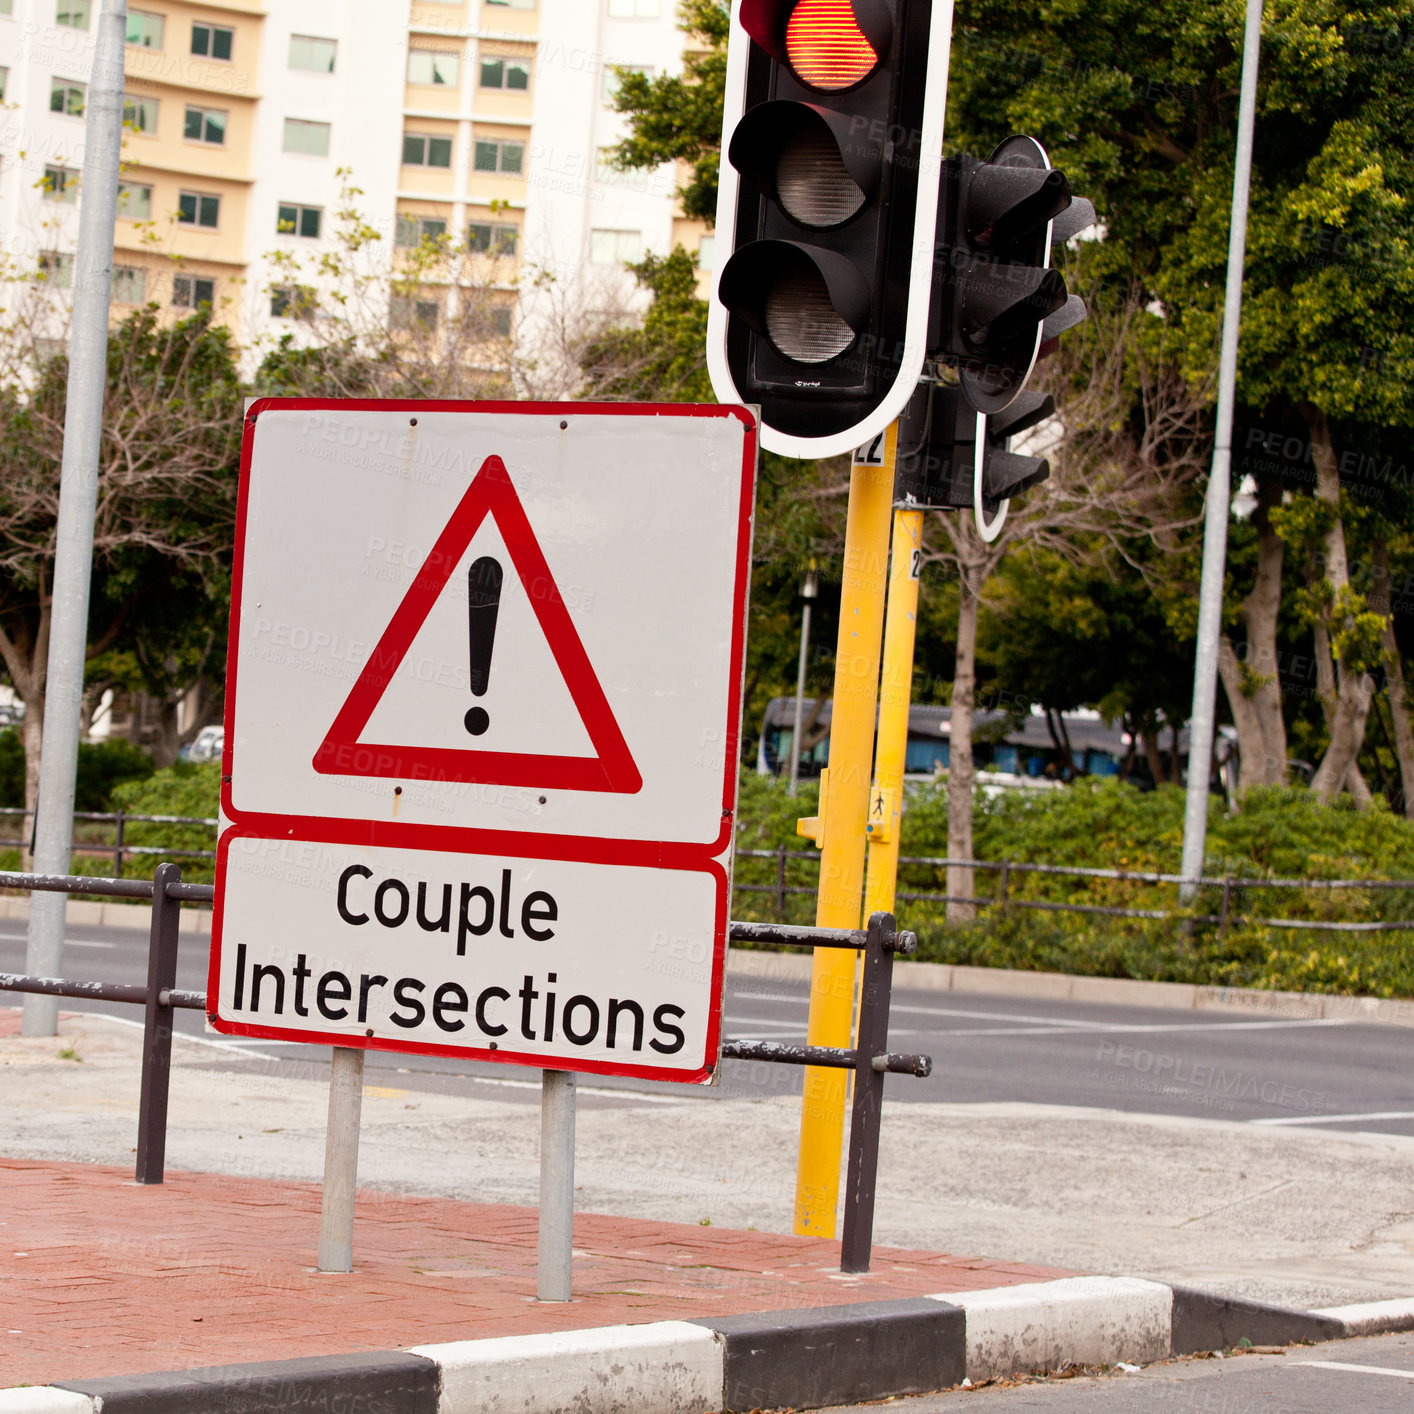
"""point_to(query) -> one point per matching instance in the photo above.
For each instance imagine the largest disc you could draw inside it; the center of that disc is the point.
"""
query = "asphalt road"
(1332, 1075)
(1373, 1376)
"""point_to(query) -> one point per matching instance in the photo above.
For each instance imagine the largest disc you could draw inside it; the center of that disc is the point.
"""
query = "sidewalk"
(99, 1277)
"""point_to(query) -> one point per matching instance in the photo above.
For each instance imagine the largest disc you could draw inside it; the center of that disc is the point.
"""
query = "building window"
(491, 238)
(633, 9)
(292, 302)
(495, 156)
(421, 150)
(7, 7)
(129, 284)
(140, 114)
(212, 41)
(145, 30)
(61, 184)
(4, 83)
(57, 269)
(292, 220)
(312, 139)
(615, 247)
(134, 201)
(494, 323)
(73, 13)
(67, 97)
(513, 4)
(205, 125)
(405, 312)
(707, 252)
(191, 291)
(314, 55)
(433, 66)
(505, 73)
(413, 230)
(614, 72)
(196, 209)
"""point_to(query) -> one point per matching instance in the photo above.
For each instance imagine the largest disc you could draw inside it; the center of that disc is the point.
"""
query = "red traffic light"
(826, 47)
(830, 45)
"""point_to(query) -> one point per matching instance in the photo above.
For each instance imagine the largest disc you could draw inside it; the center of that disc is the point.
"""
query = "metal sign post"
(554, 1255)
(839, 829)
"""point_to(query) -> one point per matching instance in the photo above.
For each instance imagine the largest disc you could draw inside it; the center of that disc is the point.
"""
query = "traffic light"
(827, 214)
(997, 300)
(947, 449)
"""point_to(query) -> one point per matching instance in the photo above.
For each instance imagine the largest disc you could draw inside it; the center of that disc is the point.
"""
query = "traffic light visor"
(810, 303)
(808, 159)
(826, 46)
(830, 45)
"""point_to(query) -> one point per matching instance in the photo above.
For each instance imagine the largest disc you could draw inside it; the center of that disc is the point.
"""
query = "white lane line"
(186, 1036)
(1355, 1369)
(84, 943)
(1034, 1023)
(1338, 1119)
(1114, 1029)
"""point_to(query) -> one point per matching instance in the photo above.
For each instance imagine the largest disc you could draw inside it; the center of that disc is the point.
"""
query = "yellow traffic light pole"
(895, 698)
(840, 828)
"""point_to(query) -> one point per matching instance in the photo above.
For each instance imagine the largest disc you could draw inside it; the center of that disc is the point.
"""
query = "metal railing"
(782, 890)
(869, 1059)
(120, 848)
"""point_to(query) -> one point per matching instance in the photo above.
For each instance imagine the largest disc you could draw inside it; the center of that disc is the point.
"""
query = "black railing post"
(118, 846)
(157, 1027)
(781, 885)
(873, 1040)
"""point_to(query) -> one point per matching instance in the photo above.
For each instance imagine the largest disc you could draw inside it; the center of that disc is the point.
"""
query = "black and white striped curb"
(780, 1359)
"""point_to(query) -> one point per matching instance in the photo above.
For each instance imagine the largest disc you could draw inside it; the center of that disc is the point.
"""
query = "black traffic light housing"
(997, 301)
(832, 139)
(938, 450)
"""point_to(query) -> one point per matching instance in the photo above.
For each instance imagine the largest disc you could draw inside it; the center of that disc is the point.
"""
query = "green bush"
(189, 788)
(102, 767)
(1287, 834)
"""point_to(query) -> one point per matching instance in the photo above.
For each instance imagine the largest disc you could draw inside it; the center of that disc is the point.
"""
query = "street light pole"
(78, 501)
(808, 592)
(1210, 595)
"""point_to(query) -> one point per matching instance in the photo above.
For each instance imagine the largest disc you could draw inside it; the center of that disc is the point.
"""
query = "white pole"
(336, 1214)
(1210, 595)
(808, 591)
(78, 500)
(555, 1257)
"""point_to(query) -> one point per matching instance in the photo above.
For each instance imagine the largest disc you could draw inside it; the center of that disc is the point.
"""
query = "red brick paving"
(101, 1277)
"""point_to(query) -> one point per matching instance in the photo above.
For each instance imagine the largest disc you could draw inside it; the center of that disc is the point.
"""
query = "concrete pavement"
(1297, 1216)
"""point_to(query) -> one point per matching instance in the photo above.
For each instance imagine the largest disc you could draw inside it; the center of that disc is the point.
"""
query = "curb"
(1106, 991)
(801, 1359)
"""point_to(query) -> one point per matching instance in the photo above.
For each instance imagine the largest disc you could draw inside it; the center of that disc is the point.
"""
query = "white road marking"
(1338, 1119)
(1034, 1023)
(1355, 1369)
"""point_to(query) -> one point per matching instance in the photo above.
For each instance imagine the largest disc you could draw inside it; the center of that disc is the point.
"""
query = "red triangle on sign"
(343, 754)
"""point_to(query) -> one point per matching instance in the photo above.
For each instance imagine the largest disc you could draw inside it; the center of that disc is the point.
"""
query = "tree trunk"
(961, 773)
(31, 734)
(1154, 756)
(1259, 613)
(1251, 739)
(1354, 687)
(1394, 676)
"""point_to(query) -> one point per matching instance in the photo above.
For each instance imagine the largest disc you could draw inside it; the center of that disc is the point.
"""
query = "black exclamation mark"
(483, 597)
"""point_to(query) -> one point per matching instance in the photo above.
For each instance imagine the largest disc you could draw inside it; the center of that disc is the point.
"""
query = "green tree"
(678, 117)
(163, 533)
(1139, 102)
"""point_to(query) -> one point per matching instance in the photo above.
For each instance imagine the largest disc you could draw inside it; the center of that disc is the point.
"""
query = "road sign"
(483, 712)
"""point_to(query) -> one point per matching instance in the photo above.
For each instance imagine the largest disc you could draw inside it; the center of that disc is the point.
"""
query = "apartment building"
(251, 123)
